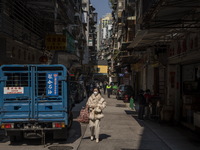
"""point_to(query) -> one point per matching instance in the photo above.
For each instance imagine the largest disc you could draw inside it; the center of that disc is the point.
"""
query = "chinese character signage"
(13, 90)
(52, 84)
(55, 42)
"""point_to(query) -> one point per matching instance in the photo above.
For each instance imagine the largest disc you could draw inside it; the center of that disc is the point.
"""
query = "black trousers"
(104, 90)
(109, 92)
(141, 111)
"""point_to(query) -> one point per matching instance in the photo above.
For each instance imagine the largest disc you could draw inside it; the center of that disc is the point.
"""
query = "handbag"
(84, 115)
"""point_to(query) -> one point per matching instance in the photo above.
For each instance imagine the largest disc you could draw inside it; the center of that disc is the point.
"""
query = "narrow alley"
(55, 53)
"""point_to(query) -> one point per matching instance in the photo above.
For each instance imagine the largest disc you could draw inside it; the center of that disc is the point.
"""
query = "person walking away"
(109, 90)
(148, 97)
(142, 102)
(104, 87)
(96, 103)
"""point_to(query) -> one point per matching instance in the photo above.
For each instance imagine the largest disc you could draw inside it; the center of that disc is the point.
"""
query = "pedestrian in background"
(96, 103)
(141, 102)
(104, 87)
(132, 103)
(148, 97)
(109, 90)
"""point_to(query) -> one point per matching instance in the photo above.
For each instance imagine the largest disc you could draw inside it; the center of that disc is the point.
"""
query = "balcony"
(161, 18)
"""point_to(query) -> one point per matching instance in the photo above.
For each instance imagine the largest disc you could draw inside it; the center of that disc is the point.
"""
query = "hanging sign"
(55, 42)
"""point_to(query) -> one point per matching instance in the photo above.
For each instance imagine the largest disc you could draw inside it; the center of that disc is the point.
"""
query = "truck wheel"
(70, 120)
(61, 134)
(16, 138)
(12, 139)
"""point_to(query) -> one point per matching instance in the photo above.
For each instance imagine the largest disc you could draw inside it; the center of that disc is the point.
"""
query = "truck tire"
(61, 134)
(16, 138)
(12, 139)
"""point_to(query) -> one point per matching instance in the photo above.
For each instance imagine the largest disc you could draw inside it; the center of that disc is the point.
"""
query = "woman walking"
(95, 104)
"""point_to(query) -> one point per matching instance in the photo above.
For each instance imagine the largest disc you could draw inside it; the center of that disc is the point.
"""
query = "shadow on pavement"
(140, 122)
(131, 112)
(101, 137)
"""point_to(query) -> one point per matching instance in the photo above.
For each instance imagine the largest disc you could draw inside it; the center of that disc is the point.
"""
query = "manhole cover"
(60, 148)
(120, 105)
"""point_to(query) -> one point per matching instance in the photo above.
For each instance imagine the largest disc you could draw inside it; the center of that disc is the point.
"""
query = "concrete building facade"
(162, 54)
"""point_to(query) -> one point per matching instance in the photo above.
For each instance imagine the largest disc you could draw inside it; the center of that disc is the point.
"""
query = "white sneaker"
(97, 140)
(92, 138)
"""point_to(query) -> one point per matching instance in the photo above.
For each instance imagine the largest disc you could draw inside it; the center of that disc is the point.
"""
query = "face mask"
(95, 93)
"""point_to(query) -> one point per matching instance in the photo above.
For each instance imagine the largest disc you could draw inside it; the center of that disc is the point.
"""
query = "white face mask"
(95, 93)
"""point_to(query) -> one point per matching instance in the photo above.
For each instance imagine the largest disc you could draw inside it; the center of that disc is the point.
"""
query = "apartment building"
(163, 54)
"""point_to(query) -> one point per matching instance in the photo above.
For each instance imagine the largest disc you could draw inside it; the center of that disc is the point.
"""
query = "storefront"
(125, 75)
(191, 94)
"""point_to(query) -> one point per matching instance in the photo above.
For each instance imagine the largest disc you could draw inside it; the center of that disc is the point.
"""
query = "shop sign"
(55, 42)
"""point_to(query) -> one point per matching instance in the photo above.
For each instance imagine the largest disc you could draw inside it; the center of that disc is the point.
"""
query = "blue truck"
(34, 100)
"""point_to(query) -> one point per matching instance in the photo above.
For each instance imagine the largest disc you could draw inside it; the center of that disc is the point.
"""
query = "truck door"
(16, 93)
(49, 87)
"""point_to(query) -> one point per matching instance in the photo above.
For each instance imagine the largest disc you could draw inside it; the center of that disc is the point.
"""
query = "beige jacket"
(96, 104)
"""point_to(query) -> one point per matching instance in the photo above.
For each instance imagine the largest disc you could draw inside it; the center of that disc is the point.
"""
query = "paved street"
(120, 130)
